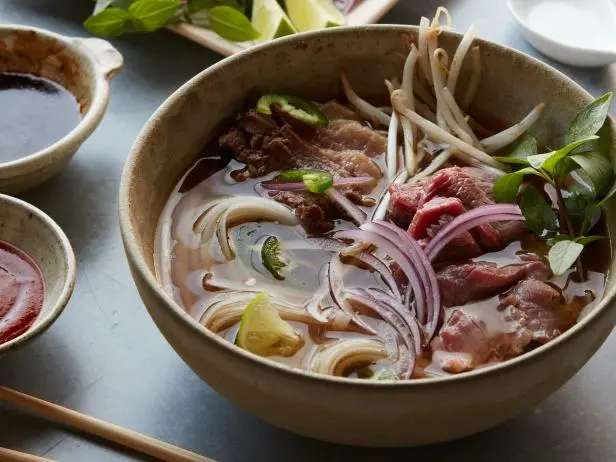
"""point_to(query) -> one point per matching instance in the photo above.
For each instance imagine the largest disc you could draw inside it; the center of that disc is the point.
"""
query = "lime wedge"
(264, 332)
(314, 14)
(270, 20)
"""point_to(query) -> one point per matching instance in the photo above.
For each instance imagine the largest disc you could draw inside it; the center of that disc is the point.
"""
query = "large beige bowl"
(32, 231)
(334, 409)
(84, 66)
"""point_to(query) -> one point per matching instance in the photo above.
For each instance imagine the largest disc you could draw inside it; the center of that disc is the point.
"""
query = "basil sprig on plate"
(225, 17)
(586, 152)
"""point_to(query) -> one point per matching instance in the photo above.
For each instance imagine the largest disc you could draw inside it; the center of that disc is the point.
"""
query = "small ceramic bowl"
(84, 66)
(572, 54)
(343, 410)
(30, 230)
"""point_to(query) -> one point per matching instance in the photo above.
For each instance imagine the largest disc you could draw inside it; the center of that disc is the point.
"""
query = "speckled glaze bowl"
(29, 229)
(337, 409)
(84, 66)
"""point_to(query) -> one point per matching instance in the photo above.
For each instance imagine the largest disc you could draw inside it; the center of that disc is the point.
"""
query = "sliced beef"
(405, 200)
(450, 192)
(333, 110)
(344, 148)
(460, 284)
(466, 336)
(471, 185)
(431, 212)
(535, 308)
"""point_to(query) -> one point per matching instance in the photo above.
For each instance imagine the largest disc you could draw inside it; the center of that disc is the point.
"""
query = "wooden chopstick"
(122, 436)
(8, 455)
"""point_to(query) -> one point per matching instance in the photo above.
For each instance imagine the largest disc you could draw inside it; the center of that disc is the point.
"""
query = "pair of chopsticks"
(111, 432)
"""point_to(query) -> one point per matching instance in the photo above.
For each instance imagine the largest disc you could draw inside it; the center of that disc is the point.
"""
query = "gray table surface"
(105, 357)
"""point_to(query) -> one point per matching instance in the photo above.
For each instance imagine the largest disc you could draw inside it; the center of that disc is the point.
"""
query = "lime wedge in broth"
(314, 14)
(263, 332)
(270, 20)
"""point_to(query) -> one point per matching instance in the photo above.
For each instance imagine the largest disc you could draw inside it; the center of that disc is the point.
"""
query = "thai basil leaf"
(525, 146)
(593, 209)
(538, 213)
(560, 237)
(598, 169)
(577, 203)
(562, 255)
(506, 187)
(550, 162)
(603, 144)
(150, 15)
(589, 120)
(588, 239)
(200, 5)
(512, 160)
(232, 25)
(108, 23)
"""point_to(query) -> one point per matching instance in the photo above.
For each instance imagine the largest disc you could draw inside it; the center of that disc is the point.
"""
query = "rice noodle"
(473, 82)
(343, 355)
(458, 58)
(366, 109)
(399, 103)
(508, 136)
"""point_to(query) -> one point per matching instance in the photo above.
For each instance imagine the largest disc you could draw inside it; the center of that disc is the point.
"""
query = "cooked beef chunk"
(534, 307)
(446, 194)
(460, 284)
(344, 148)
(463, 334)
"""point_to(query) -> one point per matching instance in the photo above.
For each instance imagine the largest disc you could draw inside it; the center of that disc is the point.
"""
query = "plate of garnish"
(229, 26)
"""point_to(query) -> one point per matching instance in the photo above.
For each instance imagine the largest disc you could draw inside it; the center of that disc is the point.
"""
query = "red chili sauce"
(22, 290)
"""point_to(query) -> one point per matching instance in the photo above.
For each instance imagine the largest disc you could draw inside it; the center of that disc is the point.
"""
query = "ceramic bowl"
(344, 410)
(30, 230)
(84, 66)
(564, 52)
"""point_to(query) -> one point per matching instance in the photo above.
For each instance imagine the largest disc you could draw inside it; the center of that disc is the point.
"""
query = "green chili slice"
(316, 181)
(298, 108)
(271, 258)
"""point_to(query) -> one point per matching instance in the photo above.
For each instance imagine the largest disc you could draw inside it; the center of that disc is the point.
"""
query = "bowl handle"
(108, 60)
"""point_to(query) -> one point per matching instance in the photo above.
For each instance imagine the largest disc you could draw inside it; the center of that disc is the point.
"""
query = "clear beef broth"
(185, 271)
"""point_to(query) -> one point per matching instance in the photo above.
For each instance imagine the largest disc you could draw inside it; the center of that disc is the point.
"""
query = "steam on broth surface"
(339, 238)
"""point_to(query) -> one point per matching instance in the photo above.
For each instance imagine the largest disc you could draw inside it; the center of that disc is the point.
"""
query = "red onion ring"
(470, 220)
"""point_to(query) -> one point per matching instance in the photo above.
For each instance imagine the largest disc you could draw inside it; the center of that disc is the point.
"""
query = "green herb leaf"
(598, 169)
(525, 146)
(589, 120)
(200, 5)
(550, 161)
(603, 144)
(230, 24)
(151, 15)
(577, 203)
(588, 239)
(562, 255)
(555, 239)
(538, 213)
(108, 23)
(511, 160)
(506, 187)
(592, 210)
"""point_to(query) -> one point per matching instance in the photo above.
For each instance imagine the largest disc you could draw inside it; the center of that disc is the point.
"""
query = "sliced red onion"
(422, 264)
(399, 256)
(470, 220)
(356, 214)
(336, 286)
(393, 318)
(398, 307)
(350, 181)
